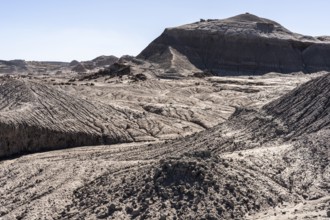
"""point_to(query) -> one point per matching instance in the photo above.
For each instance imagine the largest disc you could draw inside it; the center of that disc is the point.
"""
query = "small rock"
(111, 209)
(129, 210)
(101, 212)
(135, 213)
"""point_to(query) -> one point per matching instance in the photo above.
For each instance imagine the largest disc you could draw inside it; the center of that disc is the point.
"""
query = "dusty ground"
(82, 183)
(238, 169)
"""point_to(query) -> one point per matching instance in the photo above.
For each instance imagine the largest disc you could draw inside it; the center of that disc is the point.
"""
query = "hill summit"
(243, 44)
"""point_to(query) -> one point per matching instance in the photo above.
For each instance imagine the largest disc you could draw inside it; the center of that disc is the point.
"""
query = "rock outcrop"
(244, 44)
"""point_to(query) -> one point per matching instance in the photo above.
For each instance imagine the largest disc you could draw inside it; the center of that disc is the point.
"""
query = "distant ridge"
(55, 67)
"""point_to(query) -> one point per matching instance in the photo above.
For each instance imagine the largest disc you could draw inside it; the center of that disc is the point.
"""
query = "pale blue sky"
(64, 30)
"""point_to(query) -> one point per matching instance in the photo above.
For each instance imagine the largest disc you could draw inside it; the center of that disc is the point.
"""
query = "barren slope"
(247, 168)
(306, 109)
(240, 45)
(37, 117)
(235, 170)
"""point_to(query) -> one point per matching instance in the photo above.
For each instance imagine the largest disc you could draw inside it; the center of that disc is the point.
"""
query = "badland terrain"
(218, 119)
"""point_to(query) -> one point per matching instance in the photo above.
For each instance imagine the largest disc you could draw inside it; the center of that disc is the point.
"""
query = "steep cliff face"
(244, 44)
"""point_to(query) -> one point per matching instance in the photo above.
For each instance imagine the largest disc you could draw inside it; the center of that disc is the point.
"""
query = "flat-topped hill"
(244, 44)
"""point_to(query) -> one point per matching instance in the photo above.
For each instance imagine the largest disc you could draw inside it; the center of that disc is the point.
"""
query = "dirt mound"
(240, 45)
(179, 188)
(79, 68)
(102, 61)
(36, 117)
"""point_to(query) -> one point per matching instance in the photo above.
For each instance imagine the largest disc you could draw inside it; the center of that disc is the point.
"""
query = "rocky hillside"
(244, 44)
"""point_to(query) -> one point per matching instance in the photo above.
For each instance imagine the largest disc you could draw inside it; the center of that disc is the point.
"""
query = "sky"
(65, 30)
